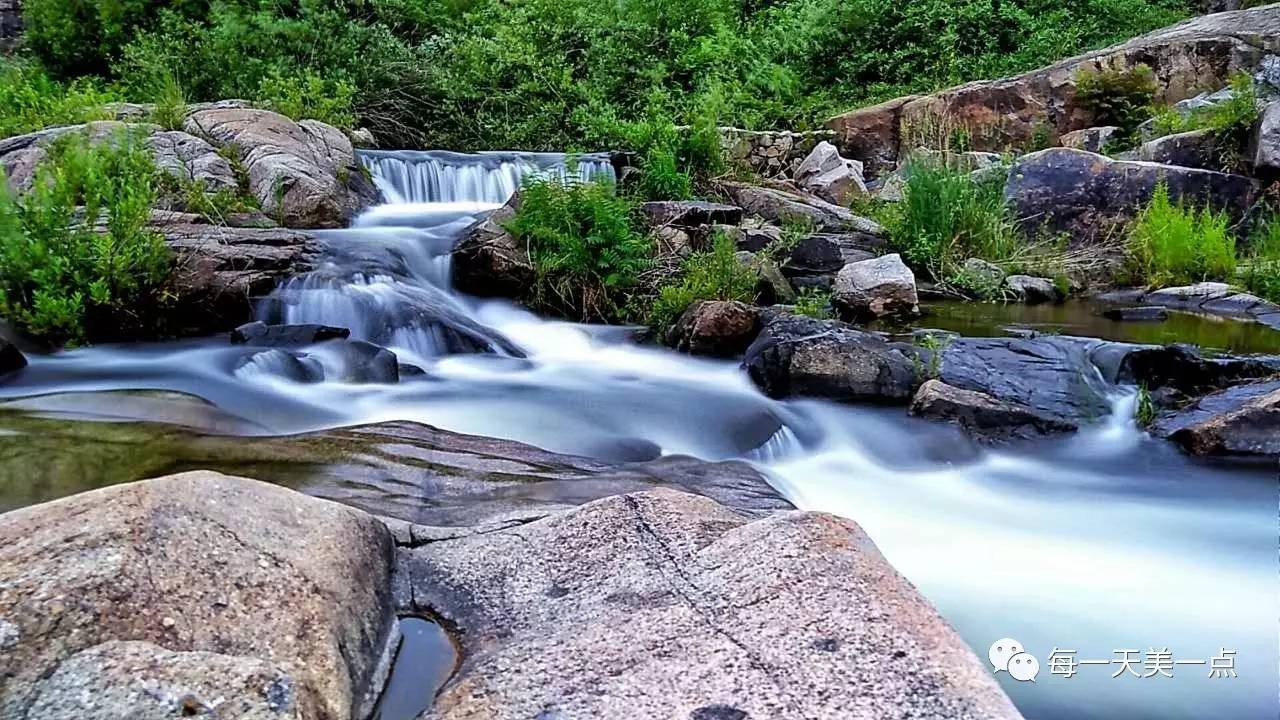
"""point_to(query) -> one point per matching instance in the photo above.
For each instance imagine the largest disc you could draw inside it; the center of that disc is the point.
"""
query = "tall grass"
(1171, 244)
(1262, 260)
(584, 250)
(715, 274)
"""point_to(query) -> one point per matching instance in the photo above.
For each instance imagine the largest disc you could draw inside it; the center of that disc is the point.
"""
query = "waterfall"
(490, 178)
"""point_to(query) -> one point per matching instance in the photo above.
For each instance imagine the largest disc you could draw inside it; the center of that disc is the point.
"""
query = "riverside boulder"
(661, 604)
(11, 358)
(304, 173)
(878, 287)
(488, 261)
(984, 417)
(1242, 421)
(833, 178)
(1091, 197)
(800, 356)
(224, 591)
(715, 327)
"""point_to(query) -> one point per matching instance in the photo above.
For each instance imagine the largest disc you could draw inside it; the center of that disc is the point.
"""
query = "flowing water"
(1104, 541)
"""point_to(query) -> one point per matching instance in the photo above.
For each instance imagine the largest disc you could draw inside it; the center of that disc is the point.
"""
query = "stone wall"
(770, 153)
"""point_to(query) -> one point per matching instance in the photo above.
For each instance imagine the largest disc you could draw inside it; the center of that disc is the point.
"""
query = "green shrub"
(945, 218)
(715, 274)
(1122, 98)
(309, 96)
(1170, 244)
(1262, 260)
(582, 245)
(1230, 120)
(814, 303)
(170, 108)
(59, 274)
(1144, 410)
(30, 101)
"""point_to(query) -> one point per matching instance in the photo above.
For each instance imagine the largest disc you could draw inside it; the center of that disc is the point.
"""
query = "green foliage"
(1170, 244)
(1231, 119)
(1262, 260)
(309, 96)
(75, 251)
(170, 104)
(30, 101)
(814, 303)
(1144, 411)
(715, 274)
(582, 245)
(932, 346)
(1121, 98)
(945, 218)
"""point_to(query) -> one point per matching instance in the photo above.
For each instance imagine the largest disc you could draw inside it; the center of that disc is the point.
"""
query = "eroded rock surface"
(1242, 421)
(229, 589)
(715, 327)
(666, 605)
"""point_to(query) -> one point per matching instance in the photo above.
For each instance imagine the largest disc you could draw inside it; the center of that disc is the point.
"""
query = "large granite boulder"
(488, 261)
(1198, 55)
(833, 178)
(800, 356)
(1241, 422)
(1265, 146)
(715, 327)
(1091, 197)
(1053, 379)
(662, 604)
(192, 159)
(221, 592)
(304, 173)
(1195, 149)
(879, 287)
(783, 207)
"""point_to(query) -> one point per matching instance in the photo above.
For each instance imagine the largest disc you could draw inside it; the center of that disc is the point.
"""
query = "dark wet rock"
(714, 327)
(1094, 139)
(1196, 149)
(1184, 369)
(799, 356)
(488, 261)
(282, 364)
(879, 287)
(1144, 313)
(827, 253)
(981, 415)
(364, 362)
(1242, 421)
(781, 207)
(304, 173)
(219, 591)
(260, 333)
(667, 605)
(1053, 378)
(755, 239)
(690, 213)
(220, 272)
(1091, 197)
(1033, 290)
(11, 358)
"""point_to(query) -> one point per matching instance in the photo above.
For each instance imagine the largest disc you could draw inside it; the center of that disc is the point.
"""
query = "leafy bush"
(309, 96)
(715, 274)
(1121, 98)
(30, 101)
(946, 217)
(75, 251)
(1170, 244)
(814, 303)
(582, 245)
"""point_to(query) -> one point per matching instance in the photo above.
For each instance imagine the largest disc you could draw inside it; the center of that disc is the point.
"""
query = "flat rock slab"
(666, 605)
(221, 589)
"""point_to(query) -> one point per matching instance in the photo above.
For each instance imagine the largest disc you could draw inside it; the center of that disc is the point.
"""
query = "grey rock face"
(190, 158)
(1091, 197)
(665, 605)
(488, 261)
(260, 333)
(773, 288)
(983, 416)
(1195, 149)
(221, 584)
(798, 356)
(1092, 139)
(1242, 421)
(780, 207)
(713, 327)
(690, 213)
(1265, 146)
(304, 173)
(878, 287)
(1033, 290)
(829, 176)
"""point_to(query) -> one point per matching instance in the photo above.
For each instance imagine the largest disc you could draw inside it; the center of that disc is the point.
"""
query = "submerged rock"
(983, 416)
(799, 356)
(1242, 421)
(662, 604)
(1146, 313)
(714, 327)
(260, 333)
(221, 591)
(879, 287)
(488, 261)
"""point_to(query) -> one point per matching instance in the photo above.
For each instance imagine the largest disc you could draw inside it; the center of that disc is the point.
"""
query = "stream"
(1104, 541)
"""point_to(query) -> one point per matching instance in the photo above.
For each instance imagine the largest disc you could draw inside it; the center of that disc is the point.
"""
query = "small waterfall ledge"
(488, 178)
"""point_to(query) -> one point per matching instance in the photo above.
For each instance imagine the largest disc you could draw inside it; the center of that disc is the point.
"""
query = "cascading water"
(1103, 541)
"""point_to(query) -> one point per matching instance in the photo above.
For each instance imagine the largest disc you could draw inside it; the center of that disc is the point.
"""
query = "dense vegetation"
(75, 248)
(552, 74)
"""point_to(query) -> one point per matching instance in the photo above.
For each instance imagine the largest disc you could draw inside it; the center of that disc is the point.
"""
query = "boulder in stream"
(984, 417)
(662, 604)
(220, 591)
(260, 333)
(878, 287)
(488, 261)
(715, 327)
(1238, 422)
